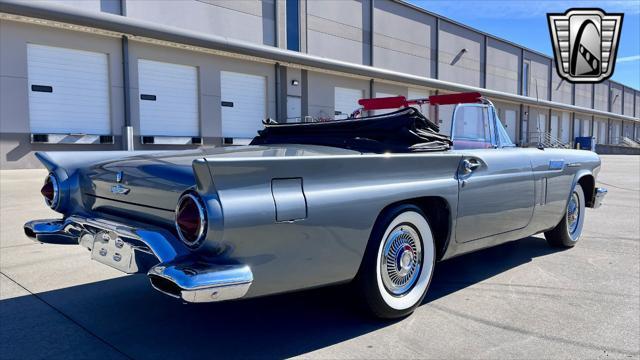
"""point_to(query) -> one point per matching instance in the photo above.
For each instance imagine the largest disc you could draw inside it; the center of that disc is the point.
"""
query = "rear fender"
(65, 164)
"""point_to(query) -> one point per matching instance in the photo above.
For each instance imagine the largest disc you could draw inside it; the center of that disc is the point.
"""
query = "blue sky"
(525, 23)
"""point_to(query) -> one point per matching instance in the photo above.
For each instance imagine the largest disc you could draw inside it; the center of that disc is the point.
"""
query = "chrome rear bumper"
(191, 281)
(172, 269)
(598, 197)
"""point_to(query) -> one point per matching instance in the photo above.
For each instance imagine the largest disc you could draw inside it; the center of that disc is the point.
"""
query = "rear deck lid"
(150, 180)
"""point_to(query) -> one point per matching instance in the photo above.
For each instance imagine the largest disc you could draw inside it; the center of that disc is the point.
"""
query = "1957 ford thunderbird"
(375, 201)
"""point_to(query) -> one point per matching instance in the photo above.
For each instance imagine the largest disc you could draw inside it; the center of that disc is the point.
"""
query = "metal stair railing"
(625, 141)
(546, 140)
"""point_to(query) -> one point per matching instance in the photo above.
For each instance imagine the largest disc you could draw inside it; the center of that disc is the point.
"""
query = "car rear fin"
(204, 178)
(72, 160)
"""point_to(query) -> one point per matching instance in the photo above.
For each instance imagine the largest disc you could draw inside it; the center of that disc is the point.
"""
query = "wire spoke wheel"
(573, 213)
(401, 259)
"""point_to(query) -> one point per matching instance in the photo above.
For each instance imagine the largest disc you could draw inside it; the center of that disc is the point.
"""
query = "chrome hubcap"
(573, 213)
(401, 260)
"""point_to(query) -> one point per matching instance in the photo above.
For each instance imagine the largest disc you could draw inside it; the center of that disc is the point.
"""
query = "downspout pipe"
(127, 131)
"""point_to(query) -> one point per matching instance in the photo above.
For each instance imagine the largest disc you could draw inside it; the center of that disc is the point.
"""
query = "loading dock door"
(510, 123)
(346, 101)
(68, 91)
(168, 97)
(244, 104)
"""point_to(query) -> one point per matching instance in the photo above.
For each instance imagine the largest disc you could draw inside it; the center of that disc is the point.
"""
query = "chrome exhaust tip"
(197, 282)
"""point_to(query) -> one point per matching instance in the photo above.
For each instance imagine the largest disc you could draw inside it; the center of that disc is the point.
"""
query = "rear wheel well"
(438, 214)
(587, 182)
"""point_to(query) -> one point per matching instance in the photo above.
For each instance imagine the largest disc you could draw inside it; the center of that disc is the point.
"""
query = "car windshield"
(471, 129)
(503, 136)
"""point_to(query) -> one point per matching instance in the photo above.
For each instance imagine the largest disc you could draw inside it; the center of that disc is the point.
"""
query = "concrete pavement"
(518, 300)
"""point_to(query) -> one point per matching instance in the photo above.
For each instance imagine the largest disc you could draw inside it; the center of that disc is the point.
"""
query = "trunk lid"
(155, 180)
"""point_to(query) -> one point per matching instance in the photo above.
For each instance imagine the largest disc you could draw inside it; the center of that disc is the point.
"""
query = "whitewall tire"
(569, 229)
(398, 264)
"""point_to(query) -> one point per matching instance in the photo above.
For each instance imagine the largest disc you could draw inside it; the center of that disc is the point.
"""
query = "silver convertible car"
(375, 201)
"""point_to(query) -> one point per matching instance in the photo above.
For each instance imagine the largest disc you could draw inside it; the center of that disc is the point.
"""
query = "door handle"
(469, 165)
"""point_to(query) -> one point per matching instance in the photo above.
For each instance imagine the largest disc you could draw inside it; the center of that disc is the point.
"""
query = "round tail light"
(191, 220)
(51, 191)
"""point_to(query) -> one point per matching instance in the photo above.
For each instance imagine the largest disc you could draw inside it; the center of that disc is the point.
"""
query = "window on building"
(293, 25)
(525, 78)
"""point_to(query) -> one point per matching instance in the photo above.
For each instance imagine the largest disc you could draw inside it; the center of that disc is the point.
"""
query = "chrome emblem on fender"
(120, 190)
(556, 164)
(585, 43)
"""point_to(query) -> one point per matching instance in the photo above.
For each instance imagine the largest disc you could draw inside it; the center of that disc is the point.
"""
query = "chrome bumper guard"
(600, 193)
(153, 251)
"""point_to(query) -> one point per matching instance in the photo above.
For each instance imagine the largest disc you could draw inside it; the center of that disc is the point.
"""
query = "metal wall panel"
(403, 39)
(539, 75)
(251, 21)
(583, 95)
(561, 90)
(616, 98)
(460, 54)
(338, 29)
(601, 96)
(85, 5)
(503, 63)
(628, 101)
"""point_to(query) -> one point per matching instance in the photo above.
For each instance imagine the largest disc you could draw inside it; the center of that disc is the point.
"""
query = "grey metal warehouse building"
(129, 74)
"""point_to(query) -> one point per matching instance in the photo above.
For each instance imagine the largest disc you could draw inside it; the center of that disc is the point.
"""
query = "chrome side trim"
(598, 198)
(197, 282)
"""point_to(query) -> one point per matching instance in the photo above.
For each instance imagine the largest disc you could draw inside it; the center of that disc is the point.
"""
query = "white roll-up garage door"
(68, 91)
(168, 99)
(346, 101)
(244, 104)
